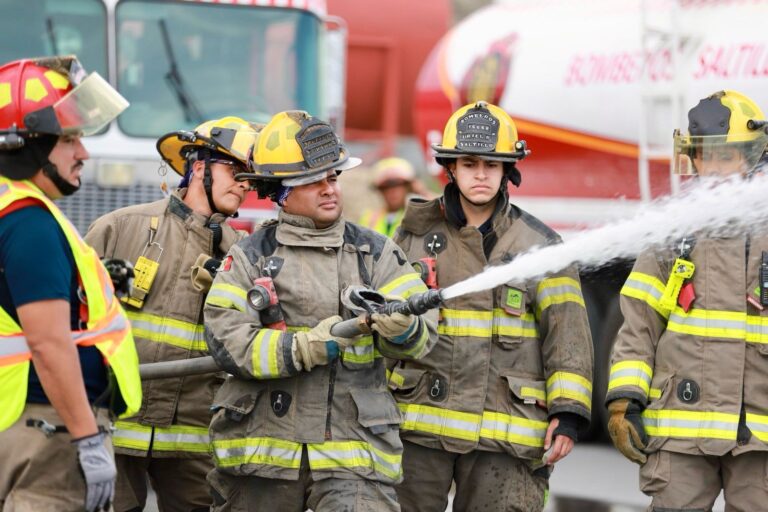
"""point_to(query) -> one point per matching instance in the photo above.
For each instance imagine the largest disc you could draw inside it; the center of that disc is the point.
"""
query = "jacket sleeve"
(235, 336)
(102, 235)
(632, 359)
(566, 343)
(393, 275)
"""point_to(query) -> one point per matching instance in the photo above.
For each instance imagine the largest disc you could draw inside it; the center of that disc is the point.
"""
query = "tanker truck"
(596, 88)
(179, 63)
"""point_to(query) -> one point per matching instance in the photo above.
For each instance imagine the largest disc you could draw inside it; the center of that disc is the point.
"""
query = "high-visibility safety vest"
(106, 327)
(381, 222)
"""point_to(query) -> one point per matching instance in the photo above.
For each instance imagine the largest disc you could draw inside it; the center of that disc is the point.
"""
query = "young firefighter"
(65, 344)
(510, 376)
(305, 419)
(175, 245)
(688, 387)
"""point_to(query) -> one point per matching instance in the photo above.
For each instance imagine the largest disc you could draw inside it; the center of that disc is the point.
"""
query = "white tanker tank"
(596, 88)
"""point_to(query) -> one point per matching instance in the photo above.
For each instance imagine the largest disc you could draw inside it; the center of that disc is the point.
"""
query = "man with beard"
(65, 344)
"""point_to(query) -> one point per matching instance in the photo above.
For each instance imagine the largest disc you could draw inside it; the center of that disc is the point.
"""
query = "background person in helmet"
(175, 245)
(60, 323)
(305, 419)
(510, 376)
(687, 387)
(395, 180)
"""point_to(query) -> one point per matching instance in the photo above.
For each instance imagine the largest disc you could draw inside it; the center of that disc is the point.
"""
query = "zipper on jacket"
(331, 383)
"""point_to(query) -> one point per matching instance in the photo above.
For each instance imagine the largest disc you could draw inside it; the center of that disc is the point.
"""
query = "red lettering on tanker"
(739, 60)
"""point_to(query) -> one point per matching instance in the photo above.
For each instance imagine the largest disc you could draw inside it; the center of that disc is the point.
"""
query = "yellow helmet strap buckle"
(318, 143)
(477, 130)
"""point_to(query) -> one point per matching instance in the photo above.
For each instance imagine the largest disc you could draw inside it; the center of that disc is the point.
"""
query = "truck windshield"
(37, 28)
(180, 63)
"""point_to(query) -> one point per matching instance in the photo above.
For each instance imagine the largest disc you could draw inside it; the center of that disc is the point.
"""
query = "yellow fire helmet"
(392, 171)
(482, 130)
(230, 135)
(719, 125)
(296, 148)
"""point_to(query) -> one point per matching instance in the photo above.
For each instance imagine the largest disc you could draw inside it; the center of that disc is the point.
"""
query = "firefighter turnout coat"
(508, 358)
(267, 412)
(702, 374)
(174, 416)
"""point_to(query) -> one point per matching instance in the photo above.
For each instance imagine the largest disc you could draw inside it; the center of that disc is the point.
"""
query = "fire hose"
(366, 300)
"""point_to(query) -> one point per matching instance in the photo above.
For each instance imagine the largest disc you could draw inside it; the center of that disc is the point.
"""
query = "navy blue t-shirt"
(36, 263)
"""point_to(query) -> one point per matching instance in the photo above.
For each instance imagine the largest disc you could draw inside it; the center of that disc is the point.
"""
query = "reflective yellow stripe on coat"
(175, 438)
(107, 326)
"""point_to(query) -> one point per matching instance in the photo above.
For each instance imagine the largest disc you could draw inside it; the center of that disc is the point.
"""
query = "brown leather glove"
(626, 429)
(317, 346)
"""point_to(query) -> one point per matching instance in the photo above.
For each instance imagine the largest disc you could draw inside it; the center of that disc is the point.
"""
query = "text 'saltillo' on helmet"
(392, 171)
(718, 125)
(51, 96)
(231, 136)
(296, 149)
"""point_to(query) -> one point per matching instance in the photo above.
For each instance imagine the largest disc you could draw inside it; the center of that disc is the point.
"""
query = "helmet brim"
(452, 154)
(348, 164)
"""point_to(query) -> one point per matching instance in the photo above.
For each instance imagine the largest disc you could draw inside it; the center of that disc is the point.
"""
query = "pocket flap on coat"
(376, 410)
(528, 390)
(405, 378)
(237, 404)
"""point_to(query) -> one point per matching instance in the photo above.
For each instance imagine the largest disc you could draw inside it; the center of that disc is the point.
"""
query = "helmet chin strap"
(208, 183)
(52, 172)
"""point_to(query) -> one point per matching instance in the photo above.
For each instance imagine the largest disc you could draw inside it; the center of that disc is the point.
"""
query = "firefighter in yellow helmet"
(175, 244)
(504, 392)
(394, 179)
(686, 391)
(66, 350)
(304, 420)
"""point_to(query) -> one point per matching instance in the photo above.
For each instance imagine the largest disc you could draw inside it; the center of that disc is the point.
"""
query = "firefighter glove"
(203, 272)
(121, 274)
(626, 429)
(98, 469)
(396, 328)
(318, 346)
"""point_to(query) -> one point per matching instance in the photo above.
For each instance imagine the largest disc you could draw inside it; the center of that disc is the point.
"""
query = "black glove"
(121, 273)
(569, 425)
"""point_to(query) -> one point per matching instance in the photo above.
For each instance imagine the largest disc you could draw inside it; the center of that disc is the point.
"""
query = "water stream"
(719, 208)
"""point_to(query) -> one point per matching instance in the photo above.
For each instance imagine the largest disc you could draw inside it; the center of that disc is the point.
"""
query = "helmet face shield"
(717, 155)
(89, 107)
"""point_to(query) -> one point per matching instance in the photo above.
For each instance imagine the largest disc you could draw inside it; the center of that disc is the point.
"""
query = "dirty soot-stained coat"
(268, 411)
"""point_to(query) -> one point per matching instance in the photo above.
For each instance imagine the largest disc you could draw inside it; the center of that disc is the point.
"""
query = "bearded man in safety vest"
(511, 376)
(176, 245)
(65, 343)
(305, 419)
(687, 388)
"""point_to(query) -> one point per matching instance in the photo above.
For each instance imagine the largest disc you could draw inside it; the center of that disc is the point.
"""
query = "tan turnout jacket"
(508, 358)
(174, 416)
(342, 414)
(702, 374)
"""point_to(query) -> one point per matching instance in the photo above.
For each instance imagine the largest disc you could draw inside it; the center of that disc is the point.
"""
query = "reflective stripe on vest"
(570, 386)
(377, 221)
(471, 427)
(484, 324)
(356, 456)
(176, 438)
(159, 329)
(107, 327)
(557, 290)
(690, 424)
(646, 288)
(631, 373)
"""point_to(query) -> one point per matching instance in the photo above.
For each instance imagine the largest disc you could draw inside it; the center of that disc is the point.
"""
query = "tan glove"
(396, 328)
(203, 272)
(317, 346)
(625, 426)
